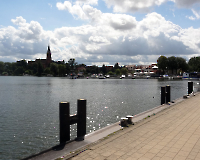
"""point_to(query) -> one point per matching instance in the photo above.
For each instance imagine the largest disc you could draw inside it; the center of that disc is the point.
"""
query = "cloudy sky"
(99, 31)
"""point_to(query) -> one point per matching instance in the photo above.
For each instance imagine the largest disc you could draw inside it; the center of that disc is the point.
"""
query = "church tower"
(48, 60)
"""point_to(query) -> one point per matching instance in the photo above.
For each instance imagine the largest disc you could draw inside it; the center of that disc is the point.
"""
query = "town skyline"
(97, 32)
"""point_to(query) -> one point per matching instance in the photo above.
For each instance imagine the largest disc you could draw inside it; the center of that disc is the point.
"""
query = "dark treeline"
(167, 65)
(61, 69)
(178, 65)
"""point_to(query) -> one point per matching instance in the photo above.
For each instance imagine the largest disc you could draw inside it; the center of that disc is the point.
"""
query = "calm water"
(29, 107)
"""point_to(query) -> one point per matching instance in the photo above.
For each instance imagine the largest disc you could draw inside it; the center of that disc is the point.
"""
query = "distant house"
(109, 68)
(143, 69)
(81, 68)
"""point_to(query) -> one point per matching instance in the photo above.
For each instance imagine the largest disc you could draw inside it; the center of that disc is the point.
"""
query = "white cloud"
(19, 20)
(125, 6)
(197, 15)
(91, 2)
(133, 6)
(191, 18)
(86, 12)
(98, 39)
(108, 38)
(75, 10)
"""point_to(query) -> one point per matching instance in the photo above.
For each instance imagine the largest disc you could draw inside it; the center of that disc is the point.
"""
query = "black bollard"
(81, 124)
(190, 87)
(64, 122)
(167, 93)
(162, 95)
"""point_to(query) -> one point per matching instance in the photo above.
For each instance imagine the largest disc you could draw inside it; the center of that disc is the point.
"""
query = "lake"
(29, 116)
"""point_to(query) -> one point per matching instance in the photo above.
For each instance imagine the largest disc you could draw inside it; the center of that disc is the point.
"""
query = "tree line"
(173, 65)
(61, 69)
(178, 65)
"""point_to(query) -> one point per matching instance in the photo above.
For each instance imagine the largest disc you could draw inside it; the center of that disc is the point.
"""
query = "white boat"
(101, 76)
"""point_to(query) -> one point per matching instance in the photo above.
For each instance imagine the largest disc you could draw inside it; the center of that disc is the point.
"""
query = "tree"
(22, 64)
(110, 73)
(162, 63)
(61, 70)
(67, 68)
(103, 69)
(93, 69)
(194, 64)
(47, 70)
(72, 64)
(8, 68)
(1, 67)
(39, 69)
(54, 69)
(117, 72)
(172, 63)
(181, 63)
(19, 71)
(116, 66)
(124, 71)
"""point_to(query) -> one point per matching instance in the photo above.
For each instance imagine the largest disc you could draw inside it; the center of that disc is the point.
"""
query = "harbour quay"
(172, 133)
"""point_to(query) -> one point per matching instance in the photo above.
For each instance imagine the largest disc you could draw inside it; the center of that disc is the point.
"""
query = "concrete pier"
(169, 131)
(173, 133)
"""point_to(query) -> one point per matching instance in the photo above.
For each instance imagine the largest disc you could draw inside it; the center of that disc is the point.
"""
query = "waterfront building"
(45, 62)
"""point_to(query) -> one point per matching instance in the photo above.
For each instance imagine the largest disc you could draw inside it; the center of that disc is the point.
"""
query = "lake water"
(29, 107)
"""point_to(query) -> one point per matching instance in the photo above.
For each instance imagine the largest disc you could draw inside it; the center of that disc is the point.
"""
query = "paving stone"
(170, 134)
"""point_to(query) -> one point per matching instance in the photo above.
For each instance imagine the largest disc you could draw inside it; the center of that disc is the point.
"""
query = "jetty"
(172, 133)
(169, 131)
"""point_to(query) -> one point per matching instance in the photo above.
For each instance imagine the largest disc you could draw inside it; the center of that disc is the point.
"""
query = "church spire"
(48, 60)
(48, 48)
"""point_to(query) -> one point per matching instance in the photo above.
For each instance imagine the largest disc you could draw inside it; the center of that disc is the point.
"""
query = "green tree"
(72, 64)
(22, 64)
(181, 64)
(61, 70)
(162, 63)
(116, 66)
(54, 69)
(47, 70)
(19, 71)
(172, 64)
(103, 69)
(39, 69)
(1, 67)
(117, 72)
(110, 73)
(8, 68)
(67, 68)
(124, 71)
(194, 64)
(93, 69)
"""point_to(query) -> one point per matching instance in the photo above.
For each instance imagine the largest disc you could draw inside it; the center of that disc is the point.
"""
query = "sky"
(97, 32)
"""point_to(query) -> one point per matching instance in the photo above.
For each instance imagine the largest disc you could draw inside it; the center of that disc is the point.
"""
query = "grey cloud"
(124, 25)
(186, 3)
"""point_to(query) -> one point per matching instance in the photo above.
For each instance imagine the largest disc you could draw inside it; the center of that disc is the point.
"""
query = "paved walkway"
(173, 133)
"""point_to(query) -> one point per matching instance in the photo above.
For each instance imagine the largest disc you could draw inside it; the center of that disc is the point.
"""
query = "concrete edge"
(112, 128)
(71, 148)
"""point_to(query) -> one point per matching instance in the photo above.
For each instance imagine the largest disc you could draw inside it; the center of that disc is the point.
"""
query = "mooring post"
(81, 124)
(162, 95)
(190, 87)
(64, 122)
(167, 93)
